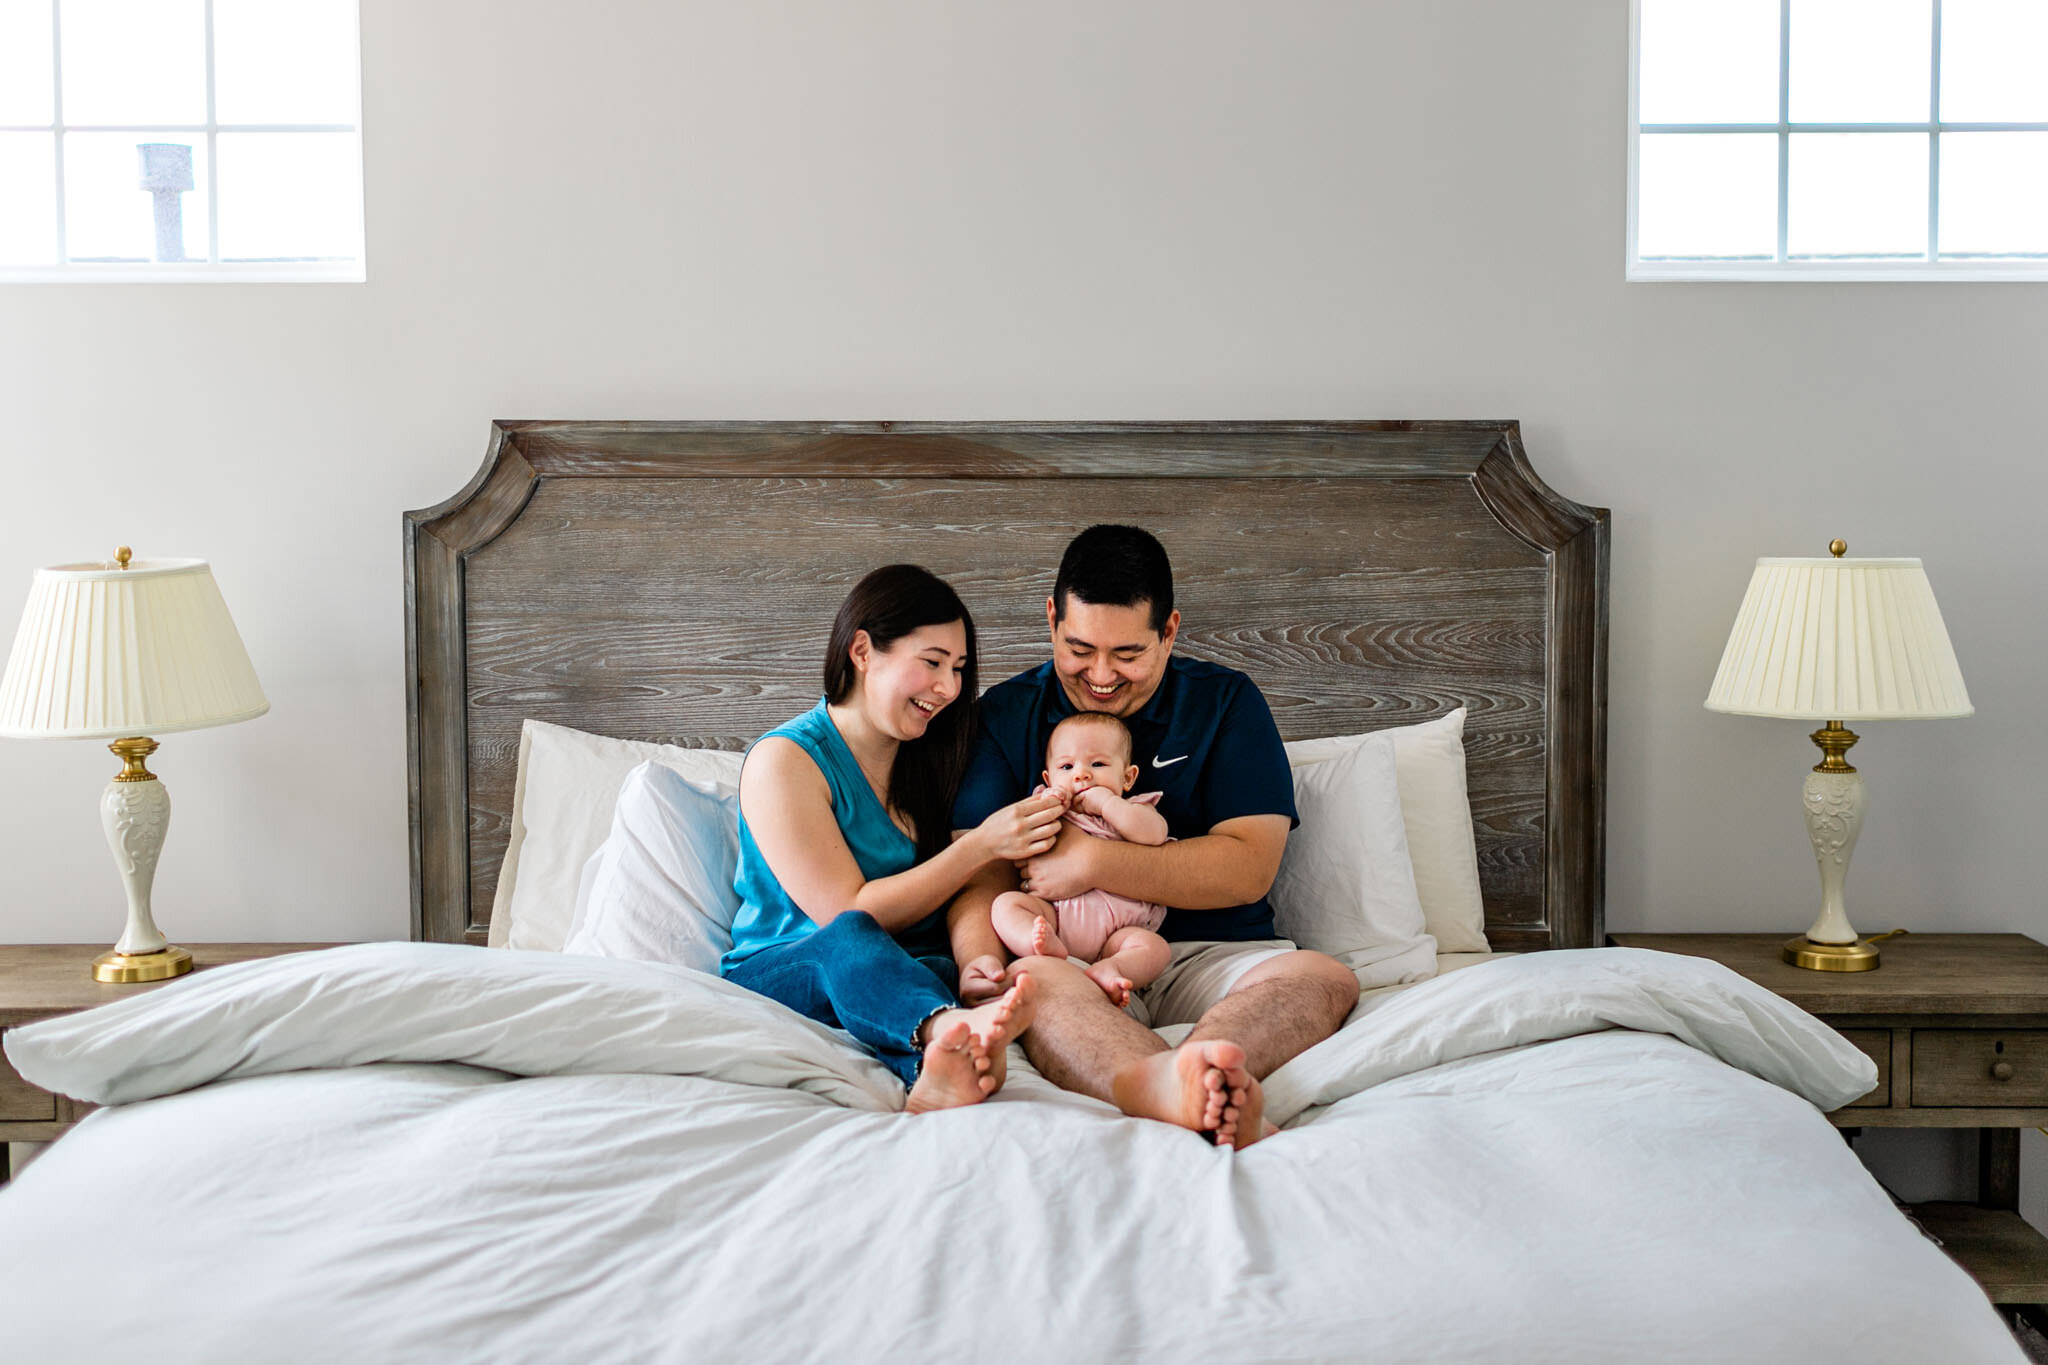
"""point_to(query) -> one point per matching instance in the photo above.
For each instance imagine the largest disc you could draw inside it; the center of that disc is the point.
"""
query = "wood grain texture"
(676, 582)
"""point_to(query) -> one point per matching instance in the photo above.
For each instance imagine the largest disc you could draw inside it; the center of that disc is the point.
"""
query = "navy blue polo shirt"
(1205, 740)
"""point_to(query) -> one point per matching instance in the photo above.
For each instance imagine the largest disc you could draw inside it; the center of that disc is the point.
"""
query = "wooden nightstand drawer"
(21, 1102)
(1985, 1068)
(1876, 1044)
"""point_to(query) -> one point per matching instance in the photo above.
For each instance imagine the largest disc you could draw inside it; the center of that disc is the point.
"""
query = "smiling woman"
(846, 861)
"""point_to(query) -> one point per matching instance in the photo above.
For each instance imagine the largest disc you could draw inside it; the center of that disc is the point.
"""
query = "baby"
(1088, 762)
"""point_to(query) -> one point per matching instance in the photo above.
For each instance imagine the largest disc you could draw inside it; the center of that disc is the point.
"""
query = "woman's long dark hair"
(888, 604)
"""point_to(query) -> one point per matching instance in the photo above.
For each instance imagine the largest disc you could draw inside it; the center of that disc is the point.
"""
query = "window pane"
(25, 59)
(109, 216)
(1994, 194)
(1857, 195)
(288, 196)
(1708, 61)
(1707, 195)
(279, 63)
(1994, 54)
(134, 61)
(28, 198)
(1862, 61)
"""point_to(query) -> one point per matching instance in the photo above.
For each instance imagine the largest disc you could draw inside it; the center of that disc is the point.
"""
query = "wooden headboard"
(675, 582)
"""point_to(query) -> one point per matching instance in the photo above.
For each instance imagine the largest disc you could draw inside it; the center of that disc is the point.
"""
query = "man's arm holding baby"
(1233, 864)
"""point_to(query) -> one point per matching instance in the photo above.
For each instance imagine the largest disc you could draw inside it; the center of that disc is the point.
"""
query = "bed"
(435, 1150)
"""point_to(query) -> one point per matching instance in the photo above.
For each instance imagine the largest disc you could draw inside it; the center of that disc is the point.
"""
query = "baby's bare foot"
(1045, 942)
(1114, 983)
(949, 1077)
(1191, 1086)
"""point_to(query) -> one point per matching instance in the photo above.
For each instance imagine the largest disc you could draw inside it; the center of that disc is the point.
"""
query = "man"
(1205, 739)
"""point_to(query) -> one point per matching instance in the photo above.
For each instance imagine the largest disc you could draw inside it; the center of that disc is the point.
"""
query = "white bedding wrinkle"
(531, 1013)
(1531, 998)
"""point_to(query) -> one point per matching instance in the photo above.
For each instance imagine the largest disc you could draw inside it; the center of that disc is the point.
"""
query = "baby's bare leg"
(1132, 957)
(1027, 925)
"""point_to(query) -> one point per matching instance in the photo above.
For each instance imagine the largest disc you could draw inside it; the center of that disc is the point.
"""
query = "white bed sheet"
(679, 1171)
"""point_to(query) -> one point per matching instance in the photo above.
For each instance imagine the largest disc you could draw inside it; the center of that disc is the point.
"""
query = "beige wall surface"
(926, 209)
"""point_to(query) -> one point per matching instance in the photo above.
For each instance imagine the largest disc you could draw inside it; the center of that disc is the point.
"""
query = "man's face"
(1109, 658)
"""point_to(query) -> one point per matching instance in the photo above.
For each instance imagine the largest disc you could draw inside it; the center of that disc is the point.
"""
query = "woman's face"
(904, 686)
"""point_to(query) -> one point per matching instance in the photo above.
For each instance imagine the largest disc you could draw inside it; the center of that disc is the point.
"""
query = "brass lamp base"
(161, 965)
(1830, 957)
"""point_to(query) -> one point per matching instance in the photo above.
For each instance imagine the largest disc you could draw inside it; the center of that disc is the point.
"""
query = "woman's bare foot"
(991, 1028)
(949, 1077)
(1045, 941)
(1201, 1086)
(1114, 983)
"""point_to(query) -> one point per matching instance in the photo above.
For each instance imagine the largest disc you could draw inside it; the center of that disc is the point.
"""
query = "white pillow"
(1429, 760)
(561, 811)
(661, 885)
(1345, 886)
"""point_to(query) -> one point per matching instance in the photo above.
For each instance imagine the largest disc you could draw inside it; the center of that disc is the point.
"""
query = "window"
(201, 140)
(1838, 139)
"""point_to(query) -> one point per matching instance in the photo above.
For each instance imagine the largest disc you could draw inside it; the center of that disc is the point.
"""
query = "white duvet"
(415, 1152)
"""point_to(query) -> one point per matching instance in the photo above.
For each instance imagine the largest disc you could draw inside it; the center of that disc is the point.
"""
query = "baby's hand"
(1095, 800)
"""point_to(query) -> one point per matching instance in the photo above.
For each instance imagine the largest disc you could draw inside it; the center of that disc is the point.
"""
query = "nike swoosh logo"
(1158, 763)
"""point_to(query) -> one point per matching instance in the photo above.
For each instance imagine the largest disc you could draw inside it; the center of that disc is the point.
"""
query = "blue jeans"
(852, 974)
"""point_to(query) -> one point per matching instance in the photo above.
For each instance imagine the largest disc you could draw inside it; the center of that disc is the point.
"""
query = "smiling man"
(1205, 739)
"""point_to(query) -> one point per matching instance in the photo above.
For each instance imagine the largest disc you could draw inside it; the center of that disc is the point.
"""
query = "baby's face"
(1088, 756)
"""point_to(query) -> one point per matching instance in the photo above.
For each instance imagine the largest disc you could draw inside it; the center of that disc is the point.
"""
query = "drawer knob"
(2001, 1071)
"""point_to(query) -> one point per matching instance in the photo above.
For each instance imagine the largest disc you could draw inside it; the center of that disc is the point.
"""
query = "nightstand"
(39, 980)
(1958, 1027)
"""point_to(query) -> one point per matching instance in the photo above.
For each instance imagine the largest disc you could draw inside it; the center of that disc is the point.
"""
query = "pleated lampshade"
(1839, 639)
(106, 652)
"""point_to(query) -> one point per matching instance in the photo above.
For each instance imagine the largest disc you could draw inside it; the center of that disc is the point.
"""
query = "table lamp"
(1835, 640)
(119, 651)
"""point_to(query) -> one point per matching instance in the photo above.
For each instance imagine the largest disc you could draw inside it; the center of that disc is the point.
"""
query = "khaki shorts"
(1200, 974)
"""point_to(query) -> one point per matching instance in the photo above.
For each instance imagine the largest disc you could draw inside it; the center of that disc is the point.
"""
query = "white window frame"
(211, 270)
(1929, 267)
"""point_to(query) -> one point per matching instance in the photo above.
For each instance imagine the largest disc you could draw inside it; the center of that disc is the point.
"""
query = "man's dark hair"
(1115, 566)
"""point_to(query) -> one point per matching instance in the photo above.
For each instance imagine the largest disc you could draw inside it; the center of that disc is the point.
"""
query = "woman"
(846, 861)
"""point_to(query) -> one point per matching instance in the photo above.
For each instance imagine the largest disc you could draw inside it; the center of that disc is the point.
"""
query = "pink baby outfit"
(1087, 920)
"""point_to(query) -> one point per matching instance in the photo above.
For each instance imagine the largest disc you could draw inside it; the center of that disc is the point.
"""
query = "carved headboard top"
(675, 581)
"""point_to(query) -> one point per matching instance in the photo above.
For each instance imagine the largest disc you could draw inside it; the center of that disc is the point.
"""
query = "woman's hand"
(982, 979)
(1023, 830)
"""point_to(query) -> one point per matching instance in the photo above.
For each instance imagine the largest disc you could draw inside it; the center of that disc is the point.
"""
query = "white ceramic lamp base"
(1834, 817)
(135, 811)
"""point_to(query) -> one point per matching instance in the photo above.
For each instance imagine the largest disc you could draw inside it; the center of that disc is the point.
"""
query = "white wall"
(920, 208)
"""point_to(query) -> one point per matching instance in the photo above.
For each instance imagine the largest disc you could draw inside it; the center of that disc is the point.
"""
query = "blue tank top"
(768, 916)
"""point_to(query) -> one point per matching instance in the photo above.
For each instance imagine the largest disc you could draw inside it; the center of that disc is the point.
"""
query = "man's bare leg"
(1282, 1008)
(1081, 1042)
(1276, 1011)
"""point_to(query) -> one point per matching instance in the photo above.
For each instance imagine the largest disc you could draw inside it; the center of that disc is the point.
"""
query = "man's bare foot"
(991, 1028)
(949, 1077)
(1045, 941)
(1201, 1086)
(1114, 983)
(1244, 1118)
